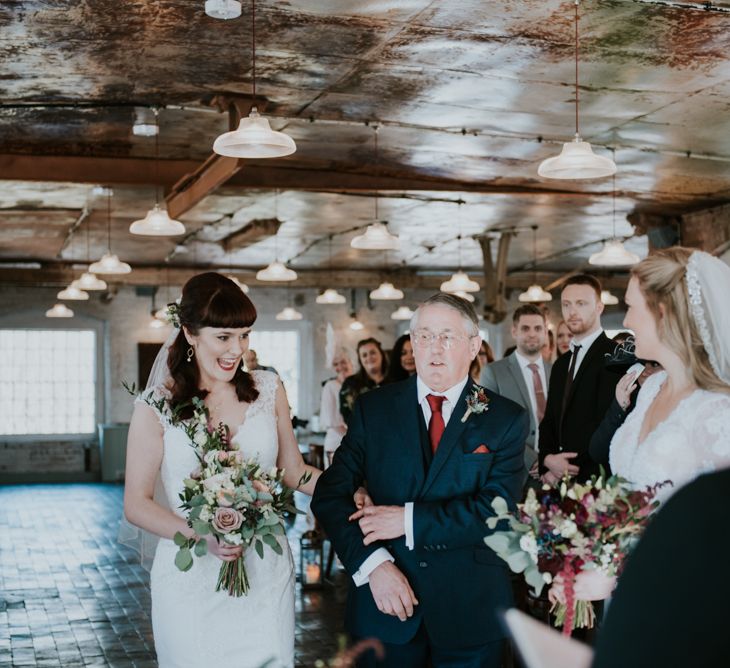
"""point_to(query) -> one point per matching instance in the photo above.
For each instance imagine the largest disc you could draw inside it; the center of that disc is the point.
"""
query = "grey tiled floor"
(70, 595)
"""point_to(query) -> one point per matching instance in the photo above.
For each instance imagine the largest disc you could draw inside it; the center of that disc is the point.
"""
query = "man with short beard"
(523, 376)
(581, 388)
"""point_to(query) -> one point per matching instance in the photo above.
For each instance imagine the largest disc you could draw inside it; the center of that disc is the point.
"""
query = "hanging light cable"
(534, 293)
(109, 263)
(89, 280)
(330, 295)
(157, 222)
(254, 137)
(459, 281)
(613, 253)
(576, 160)
(376, 235)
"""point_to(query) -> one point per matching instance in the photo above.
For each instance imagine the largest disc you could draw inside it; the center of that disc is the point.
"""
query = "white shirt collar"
(452, 394)
(524, 362)
(586, 342)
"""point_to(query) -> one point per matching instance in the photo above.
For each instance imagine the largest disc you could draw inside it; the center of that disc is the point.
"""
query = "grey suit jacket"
(505, 377)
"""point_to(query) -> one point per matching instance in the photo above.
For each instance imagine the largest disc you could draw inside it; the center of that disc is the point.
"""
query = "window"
(48, 381)
(281, 350)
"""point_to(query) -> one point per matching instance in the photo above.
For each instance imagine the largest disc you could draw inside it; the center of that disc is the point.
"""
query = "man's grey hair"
(464, 308)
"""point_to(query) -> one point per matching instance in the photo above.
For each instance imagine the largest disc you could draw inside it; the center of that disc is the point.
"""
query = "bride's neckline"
(660, 383)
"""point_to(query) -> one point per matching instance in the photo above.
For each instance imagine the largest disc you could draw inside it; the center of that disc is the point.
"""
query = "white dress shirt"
(527, 375)
(362, 575)
(584, 343)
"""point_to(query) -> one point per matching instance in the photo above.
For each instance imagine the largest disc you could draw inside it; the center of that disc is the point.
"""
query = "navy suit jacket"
(458, 581)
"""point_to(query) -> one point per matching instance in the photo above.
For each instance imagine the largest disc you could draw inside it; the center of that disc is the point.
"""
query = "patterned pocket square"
(481, 450)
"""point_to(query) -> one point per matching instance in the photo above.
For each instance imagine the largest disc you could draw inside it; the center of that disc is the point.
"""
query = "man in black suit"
(423, 581)
(581, 388)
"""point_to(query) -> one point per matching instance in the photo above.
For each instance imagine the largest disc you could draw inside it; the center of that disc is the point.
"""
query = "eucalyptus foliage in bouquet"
(574, 527)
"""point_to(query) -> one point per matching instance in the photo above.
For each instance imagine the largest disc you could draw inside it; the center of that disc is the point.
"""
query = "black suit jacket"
(593, 389)
(670, 606)
(457, 579)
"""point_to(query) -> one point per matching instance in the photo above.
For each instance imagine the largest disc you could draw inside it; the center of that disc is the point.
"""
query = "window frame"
(34, 320)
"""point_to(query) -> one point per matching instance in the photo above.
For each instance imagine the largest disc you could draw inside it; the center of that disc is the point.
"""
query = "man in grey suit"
(523, 376)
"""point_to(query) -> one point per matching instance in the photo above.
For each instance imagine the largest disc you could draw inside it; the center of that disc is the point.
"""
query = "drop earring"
(191, 353)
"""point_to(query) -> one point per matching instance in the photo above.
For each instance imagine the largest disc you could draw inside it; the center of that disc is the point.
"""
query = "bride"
(679, 311)
(193, 624)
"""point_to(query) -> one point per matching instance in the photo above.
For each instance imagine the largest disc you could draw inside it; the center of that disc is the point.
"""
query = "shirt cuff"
(408, 521)
(362, 575)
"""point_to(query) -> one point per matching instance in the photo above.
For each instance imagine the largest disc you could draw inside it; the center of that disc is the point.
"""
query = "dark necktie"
(571, 373)
(539, 391)
(436, 425)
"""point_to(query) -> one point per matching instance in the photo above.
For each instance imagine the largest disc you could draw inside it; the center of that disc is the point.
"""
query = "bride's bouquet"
(228, 497)
(561, 532)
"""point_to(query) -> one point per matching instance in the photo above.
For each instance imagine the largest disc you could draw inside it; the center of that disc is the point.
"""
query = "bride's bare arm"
(290, 458)
(144, 456)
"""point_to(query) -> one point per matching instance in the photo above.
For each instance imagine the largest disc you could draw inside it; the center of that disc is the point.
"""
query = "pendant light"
(157, 222)
(109, 263)
(89, 280)
(356, 325)
(223, 9)
(144, 123)
(330, 295)
(254, 137)
(535, 293)
(289, 313)
(386, 292)
(464, 295)
(242, 286)
(608, 299)
(576, 160)
(72, 293)
(59, 311)
(402, 313)
(376, 236)
(459, 281)
(613, 253)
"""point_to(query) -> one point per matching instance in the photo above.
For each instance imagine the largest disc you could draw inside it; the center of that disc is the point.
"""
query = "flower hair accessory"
(172, 314)
(476, 402)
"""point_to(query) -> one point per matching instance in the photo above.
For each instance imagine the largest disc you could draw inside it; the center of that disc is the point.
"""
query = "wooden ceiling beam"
(57, 275)
(143, 172)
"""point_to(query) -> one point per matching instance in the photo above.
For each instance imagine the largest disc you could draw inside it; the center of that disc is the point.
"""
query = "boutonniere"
(476, 402)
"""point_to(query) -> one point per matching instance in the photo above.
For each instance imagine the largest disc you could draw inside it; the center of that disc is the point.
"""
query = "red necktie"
(436, 425)
(539, 392)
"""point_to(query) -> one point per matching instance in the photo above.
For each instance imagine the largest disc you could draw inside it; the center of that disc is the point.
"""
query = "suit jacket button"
(422, 564)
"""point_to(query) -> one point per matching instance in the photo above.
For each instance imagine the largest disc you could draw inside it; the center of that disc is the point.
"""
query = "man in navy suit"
(423, 581)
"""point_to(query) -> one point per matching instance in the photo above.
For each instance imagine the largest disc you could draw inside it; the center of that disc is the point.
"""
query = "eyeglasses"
(424, 339)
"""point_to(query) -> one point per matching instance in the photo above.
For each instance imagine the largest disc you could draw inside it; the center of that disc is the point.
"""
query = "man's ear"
(474, 344)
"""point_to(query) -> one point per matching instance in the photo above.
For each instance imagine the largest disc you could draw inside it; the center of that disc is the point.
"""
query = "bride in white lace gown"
(193, 624)
(679, 310)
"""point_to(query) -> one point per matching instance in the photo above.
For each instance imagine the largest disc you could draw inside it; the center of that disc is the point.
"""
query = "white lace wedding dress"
(193, 624)
(694, 439)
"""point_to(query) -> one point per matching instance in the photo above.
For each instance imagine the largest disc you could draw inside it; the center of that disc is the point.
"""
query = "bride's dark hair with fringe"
(208, 300)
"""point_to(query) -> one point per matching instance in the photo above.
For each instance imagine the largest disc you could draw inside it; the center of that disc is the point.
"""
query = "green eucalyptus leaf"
(260, 549)
(183, 559)
(500, 505)
(179, 539)
(499, 542)
(201, 528)
(518, 561)
(201, 548)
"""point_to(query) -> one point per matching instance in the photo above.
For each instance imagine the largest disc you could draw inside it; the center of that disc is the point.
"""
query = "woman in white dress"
(193, 624)
(679, 309)
(330, 417)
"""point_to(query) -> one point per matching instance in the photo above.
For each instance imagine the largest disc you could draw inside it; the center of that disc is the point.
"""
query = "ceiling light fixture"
(276, 271)
(157, 222)
(576, 160)
(402, 313)
(356, 325)
(376, 236)
(459, 282)
(254, 137)
(289, 313)
(144, 123)
(464, 295)
(72, 293)
(243, 286)
(535, 293)
(109, 263)
(89, 281)
(223, 9)
(59, 311)
(386, 292)
(613, 253)
(608, 299)
(331, 296)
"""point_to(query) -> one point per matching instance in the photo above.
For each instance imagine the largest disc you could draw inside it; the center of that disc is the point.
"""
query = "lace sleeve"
(266, 384)
(151, 398)
(711, 431)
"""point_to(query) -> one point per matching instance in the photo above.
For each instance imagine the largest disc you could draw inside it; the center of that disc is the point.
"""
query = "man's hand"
(548, 478)
(380, 522)
(392, 592)
(559, 464)
(361, 498)
(535, 471)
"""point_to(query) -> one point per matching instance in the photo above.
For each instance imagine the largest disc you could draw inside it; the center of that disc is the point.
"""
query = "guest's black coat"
(593, 389)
